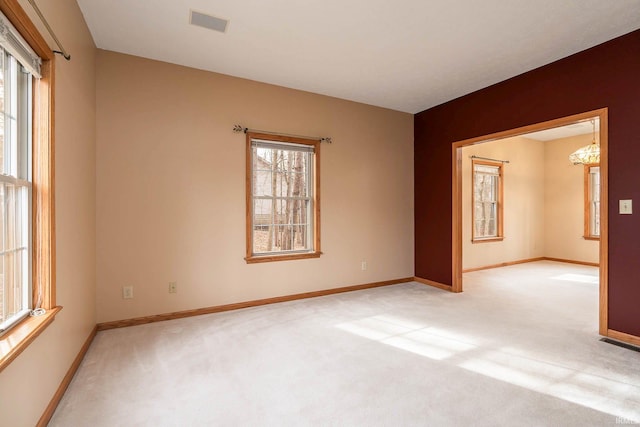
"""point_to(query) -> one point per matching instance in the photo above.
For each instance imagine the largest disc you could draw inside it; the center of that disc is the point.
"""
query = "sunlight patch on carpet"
(581, 278)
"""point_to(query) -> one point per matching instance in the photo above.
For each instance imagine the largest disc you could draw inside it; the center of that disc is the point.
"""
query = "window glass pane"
(281, 198)
(594, 202)
(3, 94)
(2, 216)
(2, 72)
(15, 190)
(263, 164)
(23, 126)
(263, 225)
(596, 219)
(2, 291)
(11, 125)
(263, 184)
(3, 147)
(10, 217)
(22, 216)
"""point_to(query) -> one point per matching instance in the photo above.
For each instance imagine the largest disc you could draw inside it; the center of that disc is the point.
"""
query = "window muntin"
(282, 203)
(15, 191)
(487, 201)
(592, 202)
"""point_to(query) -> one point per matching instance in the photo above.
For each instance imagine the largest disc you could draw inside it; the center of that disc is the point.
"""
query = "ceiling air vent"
(208, 21)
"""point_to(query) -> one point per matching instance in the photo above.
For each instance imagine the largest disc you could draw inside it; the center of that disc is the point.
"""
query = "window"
(592, 202)
(283, 220)
(31, 235)
(15, 191)
(487, 201)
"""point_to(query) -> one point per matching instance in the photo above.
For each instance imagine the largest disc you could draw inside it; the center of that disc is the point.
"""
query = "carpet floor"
(518, 347)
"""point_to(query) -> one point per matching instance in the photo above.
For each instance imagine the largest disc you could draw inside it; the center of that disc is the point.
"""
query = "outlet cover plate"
(127, 292)
(173, 287)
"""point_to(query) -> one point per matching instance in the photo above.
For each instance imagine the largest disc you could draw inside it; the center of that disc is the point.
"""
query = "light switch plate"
(626, 207)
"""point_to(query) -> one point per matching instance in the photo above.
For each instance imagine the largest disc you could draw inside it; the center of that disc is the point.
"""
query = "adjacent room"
(529, 200)
(281, 213)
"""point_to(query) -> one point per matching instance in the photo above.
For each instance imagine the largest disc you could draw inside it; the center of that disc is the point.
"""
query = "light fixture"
(587, 155)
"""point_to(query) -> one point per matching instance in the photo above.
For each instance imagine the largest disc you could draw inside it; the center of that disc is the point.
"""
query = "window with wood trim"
(592, 202)
(487, 209)
(40, 228)
(283, 203)
(15, 191)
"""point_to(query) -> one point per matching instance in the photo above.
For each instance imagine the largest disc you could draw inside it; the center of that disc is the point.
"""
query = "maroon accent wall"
(607, 75)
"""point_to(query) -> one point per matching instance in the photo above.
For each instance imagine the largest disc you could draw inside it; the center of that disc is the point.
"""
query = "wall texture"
(603, 76)
(29, 382)
(564, 202)
(524, 225)
(171, 188)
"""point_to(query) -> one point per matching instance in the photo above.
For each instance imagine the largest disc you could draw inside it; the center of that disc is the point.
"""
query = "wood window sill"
(590, 238)
(492, 239)
(272, 258)
(20, 336)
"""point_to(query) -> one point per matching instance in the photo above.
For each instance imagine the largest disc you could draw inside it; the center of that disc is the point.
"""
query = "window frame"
(18, 338)
(315, 252)
(588, 235)
(500, 202)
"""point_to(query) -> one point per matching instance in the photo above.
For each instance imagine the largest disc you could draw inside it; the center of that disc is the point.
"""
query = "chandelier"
(587, 155)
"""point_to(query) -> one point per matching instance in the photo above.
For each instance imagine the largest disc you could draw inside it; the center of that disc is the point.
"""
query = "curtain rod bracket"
(239, 128)
(64, 55)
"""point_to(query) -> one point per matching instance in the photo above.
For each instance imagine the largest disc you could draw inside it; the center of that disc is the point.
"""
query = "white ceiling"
(406, 55)
(579, 128)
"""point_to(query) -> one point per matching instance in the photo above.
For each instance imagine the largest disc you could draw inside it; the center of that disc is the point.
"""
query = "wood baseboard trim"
(591, 264)
(236, 306)
(432, 283)
(503, 264)
(55, 400)
(624, 337)
(523, 261)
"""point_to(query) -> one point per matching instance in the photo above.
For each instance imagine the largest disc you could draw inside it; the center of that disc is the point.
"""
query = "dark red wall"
(607, 75)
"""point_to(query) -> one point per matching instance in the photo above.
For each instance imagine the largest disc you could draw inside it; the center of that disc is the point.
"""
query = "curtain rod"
(240, 128)
(486, 158)
(62, 50)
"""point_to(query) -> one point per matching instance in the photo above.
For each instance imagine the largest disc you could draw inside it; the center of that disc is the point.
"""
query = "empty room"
(305, 213)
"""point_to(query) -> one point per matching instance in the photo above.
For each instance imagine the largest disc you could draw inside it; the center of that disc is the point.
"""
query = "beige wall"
(523, 203)
(171, 188)
(29, 382)
(544, 200)
(564, 203)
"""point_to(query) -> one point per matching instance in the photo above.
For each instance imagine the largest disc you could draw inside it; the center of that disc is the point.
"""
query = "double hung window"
(282, 198)
(487, 201)
(27, 215)
(15, 186)
(592, 202)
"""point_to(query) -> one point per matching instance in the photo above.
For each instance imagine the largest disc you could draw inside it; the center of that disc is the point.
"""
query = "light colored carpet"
(518, 347)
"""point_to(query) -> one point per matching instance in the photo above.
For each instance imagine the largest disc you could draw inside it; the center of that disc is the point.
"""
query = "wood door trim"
(456, 190)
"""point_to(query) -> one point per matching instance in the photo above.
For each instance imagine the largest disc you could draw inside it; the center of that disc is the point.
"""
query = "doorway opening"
(494, 230)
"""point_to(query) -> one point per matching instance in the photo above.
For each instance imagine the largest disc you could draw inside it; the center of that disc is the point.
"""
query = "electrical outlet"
(173, 287)
(363, 265)
(127, 292)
